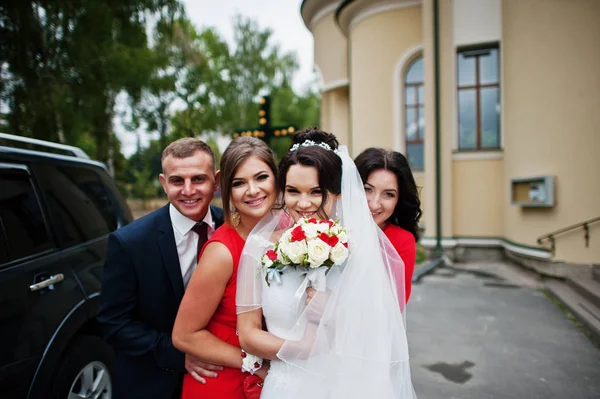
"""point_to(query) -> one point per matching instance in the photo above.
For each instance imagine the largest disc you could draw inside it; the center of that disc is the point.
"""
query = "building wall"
(376, 44)
(477, 21)
(551, 119)
(334, 113)
(331, 51)
(478, 198)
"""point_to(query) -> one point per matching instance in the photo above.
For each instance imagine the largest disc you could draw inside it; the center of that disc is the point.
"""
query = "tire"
(85, 370)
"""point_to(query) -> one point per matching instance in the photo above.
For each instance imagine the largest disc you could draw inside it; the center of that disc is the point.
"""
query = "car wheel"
(85, 370)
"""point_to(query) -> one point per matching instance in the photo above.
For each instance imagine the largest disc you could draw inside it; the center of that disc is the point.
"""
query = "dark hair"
(185, 148)
(237, 152)
(327, 163)
(408, 209)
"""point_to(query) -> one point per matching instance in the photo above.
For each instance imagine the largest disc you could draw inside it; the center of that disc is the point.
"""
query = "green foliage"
(63, 63)
(143, 186)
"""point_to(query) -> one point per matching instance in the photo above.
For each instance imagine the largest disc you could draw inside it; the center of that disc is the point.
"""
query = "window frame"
(478, 86)
(25, 170)
(413, 107)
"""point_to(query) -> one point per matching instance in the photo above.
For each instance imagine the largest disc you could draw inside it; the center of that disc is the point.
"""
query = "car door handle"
(57, 278)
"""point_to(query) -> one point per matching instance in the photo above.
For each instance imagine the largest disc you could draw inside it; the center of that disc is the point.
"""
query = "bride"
(348, 340)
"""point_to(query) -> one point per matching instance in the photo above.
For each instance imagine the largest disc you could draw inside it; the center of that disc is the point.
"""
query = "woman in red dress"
(206, 322)
(394, 202)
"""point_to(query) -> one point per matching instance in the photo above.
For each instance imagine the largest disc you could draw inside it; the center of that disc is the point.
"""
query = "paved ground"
(494, 334)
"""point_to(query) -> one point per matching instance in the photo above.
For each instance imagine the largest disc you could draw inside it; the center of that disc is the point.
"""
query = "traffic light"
(264, 113)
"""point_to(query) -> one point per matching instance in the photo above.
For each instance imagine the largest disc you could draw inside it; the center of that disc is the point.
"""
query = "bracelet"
(250, 363)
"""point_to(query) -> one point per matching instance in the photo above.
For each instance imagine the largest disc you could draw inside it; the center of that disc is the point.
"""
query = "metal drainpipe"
(438, 188)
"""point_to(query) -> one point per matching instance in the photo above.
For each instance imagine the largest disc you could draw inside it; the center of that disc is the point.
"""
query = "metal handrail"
(74, 151)
(586, 236)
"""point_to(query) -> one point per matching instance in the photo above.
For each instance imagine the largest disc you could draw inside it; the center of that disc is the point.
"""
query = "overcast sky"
(281, 16)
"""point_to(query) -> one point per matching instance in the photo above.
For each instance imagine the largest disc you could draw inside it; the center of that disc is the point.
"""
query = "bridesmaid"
(394, 202)
(206, 323)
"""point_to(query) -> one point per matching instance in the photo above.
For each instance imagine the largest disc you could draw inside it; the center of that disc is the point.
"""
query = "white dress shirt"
(186, 240)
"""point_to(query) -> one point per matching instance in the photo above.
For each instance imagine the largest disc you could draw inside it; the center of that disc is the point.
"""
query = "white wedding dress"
(282, 309)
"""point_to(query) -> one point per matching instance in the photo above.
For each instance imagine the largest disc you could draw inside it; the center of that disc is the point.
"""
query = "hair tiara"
(310, 143)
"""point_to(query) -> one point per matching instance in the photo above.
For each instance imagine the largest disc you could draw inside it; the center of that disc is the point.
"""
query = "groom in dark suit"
(148, 265)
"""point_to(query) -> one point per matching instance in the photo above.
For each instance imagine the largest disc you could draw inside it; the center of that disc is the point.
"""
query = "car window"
(23, 225)
(78, 201)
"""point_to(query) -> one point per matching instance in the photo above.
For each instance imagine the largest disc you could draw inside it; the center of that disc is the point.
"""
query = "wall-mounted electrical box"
(532, 191)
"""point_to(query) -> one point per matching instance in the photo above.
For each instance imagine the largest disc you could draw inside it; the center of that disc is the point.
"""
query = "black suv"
(56, 211)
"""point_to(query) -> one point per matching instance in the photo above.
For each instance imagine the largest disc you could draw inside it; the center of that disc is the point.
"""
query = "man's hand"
(198, 369)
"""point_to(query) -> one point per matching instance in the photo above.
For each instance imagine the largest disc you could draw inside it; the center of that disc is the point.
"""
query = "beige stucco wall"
(377, 43)
(331, 50)
(551, 89)
(477, 21)
(478, 198)
(334, 113)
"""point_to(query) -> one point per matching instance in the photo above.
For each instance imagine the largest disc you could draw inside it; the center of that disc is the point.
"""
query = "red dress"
(230, 382)
(405, 245)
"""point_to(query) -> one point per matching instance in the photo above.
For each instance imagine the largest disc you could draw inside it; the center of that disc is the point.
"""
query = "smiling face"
(303, 196)
(381, 189)
(190, 183)
(253, 191)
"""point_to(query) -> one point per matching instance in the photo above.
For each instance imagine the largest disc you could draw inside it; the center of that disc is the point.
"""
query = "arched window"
(414, 113)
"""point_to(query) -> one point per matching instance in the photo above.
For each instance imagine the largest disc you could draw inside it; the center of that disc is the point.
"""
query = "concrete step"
(586, 287)
(596, 273)
(584, 310)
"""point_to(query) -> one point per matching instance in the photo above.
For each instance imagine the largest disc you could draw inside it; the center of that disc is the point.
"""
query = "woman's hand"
(264, 370)
(317, 303)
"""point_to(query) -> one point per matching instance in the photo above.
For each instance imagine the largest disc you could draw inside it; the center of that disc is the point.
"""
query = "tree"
(64, 62)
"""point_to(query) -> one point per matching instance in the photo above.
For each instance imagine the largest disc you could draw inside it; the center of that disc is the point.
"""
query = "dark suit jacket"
(142, 288)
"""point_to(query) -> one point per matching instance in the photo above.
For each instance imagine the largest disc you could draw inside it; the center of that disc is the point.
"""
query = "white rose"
(318, 252)
(295, 251)
(339, 253)
(282, 257)
(310, 230)
(323, 227)
(335, 229)
(343, 236)
(267, 261)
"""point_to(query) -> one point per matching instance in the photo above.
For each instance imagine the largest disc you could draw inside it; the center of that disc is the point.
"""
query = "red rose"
(331, 223)
(272, 254)
(298, 234)
(323, 237)
(333, 240)
(312, 220)
(345, 244)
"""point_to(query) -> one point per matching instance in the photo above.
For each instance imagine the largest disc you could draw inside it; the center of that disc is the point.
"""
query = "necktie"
(201, 229)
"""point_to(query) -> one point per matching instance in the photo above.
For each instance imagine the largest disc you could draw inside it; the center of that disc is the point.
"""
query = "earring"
(234, 217)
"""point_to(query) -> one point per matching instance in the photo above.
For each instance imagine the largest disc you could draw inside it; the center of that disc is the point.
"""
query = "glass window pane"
(24, 227)
(421, 122)
(414, 153)
(466, 70)
(415, 71)
(488, 67)
(410, 97)
(467, 123)
(490, 118)
(411, 124)
(79, 203)
(421, 94)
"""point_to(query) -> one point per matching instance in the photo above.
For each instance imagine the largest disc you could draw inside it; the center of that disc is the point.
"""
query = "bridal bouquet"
(311, 244)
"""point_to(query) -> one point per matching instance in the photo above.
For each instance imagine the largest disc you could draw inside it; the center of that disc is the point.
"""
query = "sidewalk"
(487, 331)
